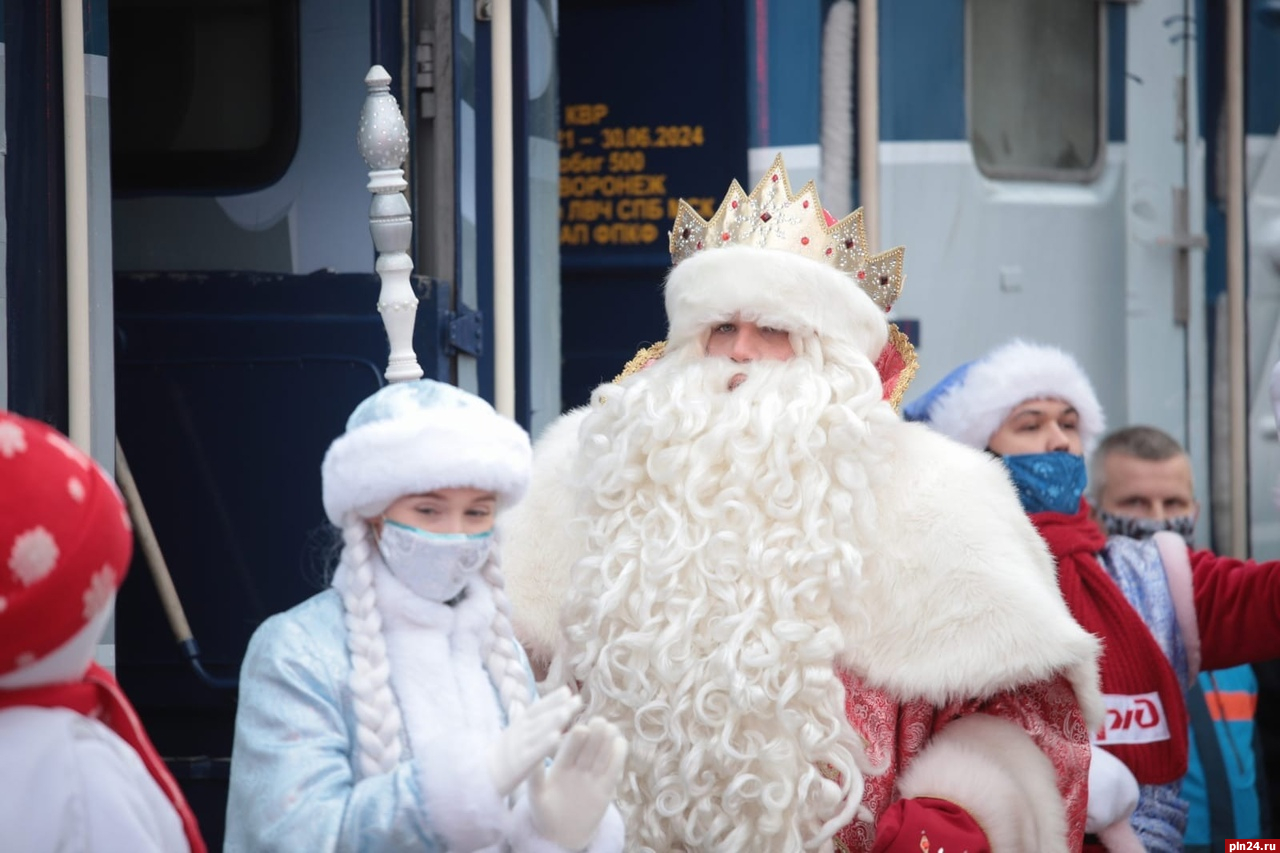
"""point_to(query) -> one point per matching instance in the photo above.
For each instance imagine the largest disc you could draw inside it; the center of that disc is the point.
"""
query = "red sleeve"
(927, 824)
(1237, 609)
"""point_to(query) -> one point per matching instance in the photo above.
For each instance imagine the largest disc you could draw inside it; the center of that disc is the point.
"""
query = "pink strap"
(1177, 568)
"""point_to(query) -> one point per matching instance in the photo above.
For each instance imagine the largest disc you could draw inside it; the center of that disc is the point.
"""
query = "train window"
(203, 94)
(1034, 88)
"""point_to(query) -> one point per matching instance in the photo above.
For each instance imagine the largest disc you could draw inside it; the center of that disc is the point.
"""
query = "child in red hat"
(80, 772)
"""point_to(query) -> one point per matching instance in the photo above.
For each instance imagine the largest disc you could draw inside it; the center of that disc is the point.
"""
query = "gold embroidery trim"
(642, 357)
(910, 365)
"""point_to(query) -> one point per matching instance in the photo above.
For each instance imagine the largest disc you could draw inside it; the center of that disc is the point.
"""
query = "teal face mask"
(1048, 482)
(436, 566)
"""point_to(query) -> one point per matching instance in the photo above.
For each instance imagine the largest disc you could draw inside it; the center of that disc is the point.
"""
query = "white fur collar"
(435, 652)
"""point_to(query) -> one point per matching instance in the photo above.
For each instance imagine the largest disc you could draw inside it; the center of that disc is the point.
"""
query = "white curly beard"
(724, 532)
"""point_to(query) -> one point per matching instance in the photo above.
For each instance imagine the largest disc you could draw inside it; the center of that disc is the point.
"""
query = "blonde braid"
(503, 658)
(377, 714)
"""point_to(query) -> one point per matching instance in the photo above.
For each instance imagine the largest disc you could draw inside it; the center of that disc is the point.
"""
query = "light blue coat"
(294, 782)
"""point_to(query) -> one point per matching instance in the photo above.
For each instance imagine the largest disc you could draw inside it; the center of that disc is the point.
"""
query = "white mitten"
(1113, 793)
(529, 738)
(568, 801)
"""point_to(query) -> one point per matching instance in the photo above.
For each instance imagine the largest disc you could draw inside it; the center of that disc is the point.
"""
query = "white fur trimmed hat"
(770, 287)
(972, 401)
(415, 437)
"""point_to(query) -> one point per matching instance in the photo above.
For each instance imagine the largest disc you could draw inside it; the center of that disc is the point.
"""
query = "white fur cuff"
(525, 838)
(461, 802)
(993, 770)
(1113, 795)
(611, 835)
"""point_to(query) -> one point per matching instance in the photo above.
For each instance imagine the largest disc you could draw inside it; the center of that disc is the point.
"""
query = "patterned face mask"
(1144, 528)
(436, 566)
(1048, 482)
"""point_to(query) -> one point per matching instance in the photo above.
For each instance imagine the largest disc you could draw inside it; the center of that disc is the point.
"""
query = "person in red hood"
(79, 770)
(1162, 613)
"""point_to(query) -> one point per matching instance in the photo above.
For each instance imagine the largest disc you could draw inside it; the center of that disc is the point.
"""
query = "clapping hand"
(530, 737)
(569, 800)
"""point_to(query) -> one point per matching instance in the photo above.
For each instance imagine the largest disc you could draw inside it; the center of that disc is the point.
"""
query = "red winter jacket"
(1237, 609)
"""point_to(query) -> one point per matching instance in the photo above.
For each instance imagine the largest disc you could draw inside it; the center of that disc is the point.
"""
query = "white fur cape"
(965, 588)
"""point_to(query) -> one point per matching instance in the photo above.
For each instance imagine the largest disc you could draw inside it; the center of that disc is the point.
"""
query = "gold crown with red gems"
(772, 218)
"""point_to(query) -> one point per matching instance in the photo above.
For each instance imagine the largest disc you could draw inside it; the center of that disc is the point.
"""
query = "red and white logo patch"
(1137, 718)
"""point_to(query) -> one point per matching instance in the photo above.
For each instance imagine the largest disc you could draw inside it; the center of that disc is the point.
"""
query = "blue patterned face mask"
(1048, 482)
(1144, 528)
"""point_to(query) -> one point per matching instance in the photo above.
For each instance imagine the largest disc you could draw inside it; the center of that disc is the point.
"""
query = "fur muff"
(993, 770)
(523, 831)
(782, 290)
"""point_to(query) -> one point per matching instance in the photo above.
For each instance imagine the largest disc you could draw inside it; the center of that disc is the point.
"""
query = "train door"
(246, 326)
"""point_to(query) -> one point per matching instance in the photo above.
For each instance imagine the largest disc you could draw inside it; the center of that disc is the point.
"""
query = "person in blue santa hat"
(1160, 611)
(819, 628)
(80, 772)
(394, 711)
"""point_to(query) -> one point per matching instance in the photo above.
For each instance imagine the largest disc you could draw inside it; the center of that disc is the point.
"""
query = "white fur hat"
(415, 437)
(971, 402)
(772, 287)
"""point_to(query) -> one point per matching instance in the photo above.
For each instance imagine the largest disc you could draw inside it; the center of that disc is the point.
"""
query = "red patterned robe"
(896, 732)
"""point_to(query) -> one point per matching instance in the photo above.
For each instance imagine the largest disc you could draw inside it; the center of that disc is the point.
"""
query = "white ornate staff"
(384, 144)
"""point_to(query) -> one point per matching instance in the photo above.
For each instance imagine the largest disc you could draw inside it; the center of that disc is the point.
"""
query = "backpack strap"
(1213, 765)
(1177, 568)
